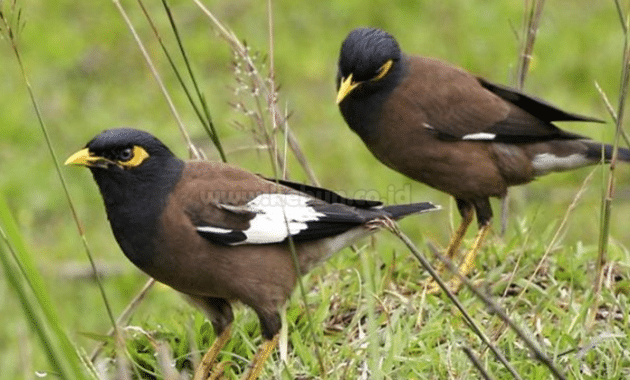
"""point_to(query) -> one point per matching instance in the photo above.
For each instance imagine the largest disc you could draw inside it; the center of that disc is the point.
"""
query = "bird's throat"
(133, 207)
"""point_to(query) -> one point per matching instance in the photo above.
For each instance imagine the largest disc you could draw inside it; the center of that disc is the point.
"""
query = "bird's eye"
(383, 70)
(125, 154)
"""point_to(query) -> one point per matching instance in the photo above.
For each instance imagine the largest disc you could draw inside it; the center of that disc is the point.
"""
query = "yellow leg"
(456, 241)
(218, 369)
(204, 368)
(468, 263)
(260, 358)
(451, 251)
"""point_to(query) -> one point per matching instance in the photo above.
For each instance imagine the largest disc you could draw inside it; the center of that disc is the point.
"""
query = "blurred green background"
(88, 75)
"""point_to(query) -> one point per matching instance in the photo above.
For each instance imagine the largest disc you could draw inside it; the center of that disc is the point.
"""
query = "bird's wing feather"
(533, 105)
(273, 217)
(463, 107)
(326, 195)
(257, 211)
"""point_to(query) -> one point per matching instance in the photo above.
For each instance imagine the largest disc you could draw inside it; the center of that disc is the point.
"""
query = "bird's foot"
(433, 288)
(260, 358)
(218, 370)
(465, 268)
(204, 369)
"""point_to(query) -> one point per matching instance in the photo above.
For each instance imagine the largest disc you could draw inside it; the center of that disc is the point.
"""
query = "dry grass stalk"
(262, 86)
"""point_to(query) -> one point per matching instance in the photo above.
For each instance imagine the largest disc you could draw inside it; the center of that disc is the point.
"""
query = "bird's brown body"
(451, 98)
(440, 125)
(217, 233)
(266, 273)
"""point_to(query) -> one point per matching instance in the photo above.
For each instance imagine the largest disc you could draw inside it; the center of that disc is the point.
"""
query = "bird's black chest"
(365, 110)
(134, 207)
(134, 229)
(363, 115)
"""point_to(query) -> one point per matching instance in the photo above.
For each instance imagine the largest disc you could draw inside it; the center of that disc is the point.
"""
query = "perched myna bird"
(217, 233)
(453, 131)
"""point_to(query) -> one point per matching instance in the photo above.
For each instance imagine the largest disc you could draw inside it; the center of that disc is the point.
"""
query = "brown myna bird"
(217, 233)
(453, 131)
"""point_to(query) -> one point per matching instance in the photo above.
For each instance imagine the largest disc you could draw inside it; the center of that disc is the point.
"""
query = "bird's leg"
(204, 368)
(468, 263)
(220, 314)
(484, 216)
(260, 358)
(466, 211)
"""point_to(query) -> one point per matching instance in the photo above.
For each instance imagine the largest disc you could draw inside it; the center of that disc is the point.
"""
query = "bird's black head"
(135, 173)
(122, 149)
(126, 162)
(367, 56)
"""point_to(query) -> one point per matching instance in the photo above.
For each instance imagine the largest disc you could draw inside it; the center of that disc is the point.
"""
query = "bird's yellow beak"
(346, 87)
(84, 158)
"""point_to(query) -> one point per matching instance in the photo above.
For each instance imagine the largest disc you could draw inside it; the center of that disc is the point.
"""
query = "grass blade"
(145, 54)
(610, 187)
(36, 303)
(205, 117)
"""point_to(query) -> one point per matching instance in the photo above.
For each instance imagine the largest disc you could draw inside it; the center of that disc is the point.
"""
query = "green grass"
(368, 310)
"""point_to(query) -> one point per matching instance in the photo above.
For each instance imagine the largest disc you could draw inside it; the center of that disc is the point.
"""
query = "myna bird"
(217, 233)
(458, 133)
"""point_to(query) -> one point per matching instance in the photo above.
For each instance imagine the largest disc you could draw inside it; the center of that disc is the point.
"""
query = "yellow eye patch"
(138, 155)
(384, 70)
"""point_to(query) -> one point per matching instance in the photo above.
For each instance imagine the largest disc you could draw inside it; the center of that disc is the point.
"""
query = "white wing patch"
(546, 162)
(214, 230)
(484, 136)
(278, 216)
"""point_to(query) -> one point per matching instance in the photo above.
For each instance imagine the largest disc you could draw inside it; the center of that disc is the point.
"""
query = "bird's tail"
(597, 151)
(400, 211)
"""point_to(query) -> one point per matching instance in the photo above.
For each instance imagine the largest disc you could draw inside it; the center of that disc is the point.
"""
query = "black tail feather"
(597, 151)
(399, 211)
